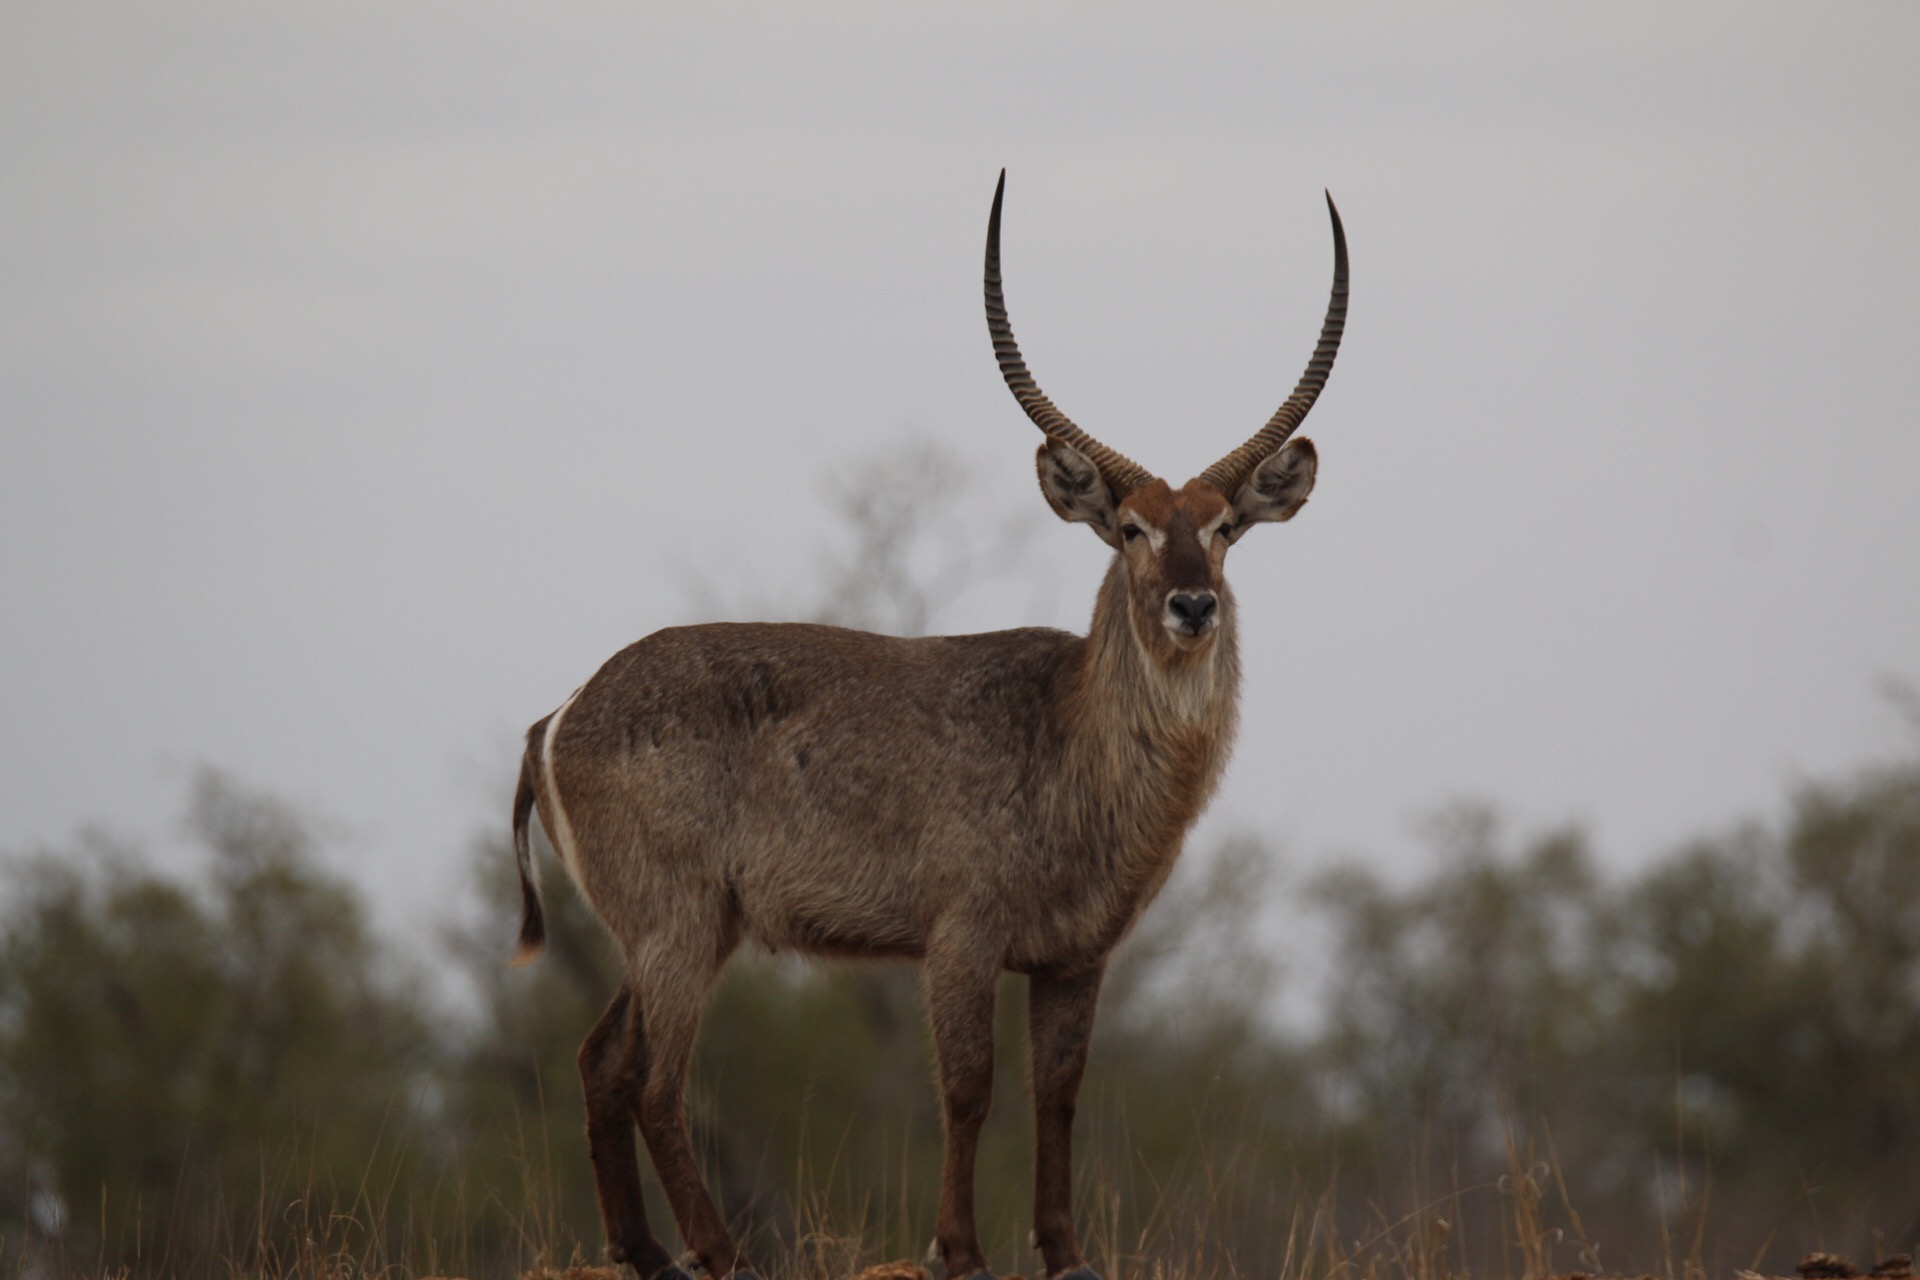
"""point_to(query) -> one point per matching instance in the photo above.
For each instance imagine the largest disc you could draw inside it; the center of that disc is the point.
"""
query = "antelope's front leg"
(960, 994)
(1059, 1024)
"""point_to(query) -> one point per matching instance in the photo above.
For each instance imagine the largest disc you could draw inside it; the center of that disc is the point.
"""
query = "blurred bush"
(178, 1054)
(1715, 1056)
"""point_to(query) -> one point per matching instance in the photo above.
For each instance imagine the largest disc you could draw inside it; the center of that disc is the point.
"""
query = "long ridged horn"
(1121, 473)
(1228, 474)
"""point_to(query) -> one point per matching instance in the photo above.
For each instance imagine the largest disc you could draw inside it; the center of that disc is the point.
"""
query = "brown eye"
(1129, 531)
(1226, 529)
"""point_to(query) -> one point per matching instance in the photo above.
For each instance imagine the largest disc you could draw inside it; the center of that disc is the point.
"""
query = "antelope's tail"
(533, 917)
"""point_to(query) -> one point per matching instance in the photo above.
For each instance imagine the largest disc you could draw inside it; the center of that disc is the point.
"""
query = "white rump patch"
(562, 832)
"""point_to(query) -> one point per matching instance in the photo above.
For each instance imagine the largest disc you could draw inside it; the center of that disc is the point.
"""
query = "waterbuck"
(985, 803)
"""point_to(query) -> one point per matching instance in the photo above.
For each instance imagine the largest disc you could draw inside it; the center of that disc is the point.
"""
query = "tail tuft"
(533, 918)
(527, 952)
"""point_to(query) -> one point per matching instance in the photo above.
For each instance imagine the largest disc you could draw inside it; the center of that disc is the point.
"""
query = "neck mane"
(1148, 738)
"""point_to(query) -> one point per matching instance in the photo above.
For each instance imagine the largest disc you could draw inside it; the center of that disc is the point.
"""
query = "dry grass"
(1539, 1237)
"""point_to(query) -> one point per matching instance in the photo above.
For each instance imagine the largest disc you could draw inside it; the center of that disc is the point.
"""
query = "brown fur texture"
(1001, 802)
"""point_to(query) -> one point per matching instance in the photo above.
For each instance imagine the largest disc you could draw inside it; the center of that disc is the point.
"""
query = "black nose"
(1193, 608)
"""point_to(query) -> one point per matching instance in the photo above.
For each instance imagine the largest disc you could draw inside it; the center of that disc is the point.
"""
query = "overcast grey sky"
(370, 372)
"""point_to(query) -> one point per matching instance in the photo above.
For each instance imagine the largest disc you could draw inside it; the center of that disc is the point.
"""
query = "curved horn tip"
(993, 219)
(1231, 471)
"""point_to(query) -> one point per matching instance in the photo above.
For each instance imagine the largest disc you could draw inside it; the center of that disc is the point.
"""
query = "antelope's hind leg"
(671, 985)
(613, 1070)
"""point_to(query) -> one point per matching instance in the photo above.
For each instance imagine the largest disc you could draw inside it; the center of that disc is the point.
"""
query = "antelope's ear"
(1278, 487)
(1075, 490)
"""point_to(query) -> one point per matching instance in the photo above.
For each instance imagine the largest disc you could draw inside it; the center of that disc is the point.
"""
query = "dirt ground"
(885, 1271)
(1815, 1266)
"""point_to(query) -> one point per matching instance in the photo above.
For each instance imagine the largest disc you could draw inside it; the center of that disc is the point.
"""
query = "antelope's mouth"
(1189, 635)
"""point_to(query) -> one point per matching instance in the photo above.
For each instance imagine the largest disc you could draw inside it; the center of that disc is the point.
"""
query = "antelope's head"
(1171, 543)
